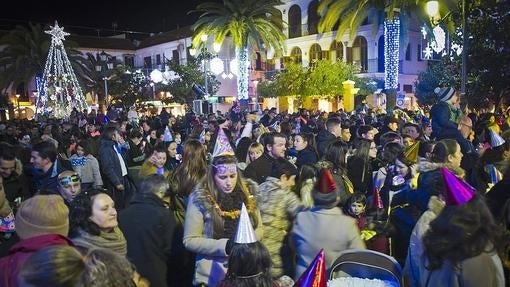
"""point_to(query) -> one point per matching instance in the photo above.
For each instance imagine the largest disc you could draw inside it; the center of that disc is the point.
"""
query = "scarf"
(232, 201)
(114, 240)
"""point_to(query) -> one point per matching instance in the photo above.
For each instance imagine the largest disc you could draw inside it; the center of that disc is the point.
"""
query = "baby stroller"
(367, 264)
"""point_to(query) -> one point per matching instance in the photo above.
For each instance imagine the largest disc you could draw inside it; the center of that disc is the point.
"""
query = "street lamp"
(432, 9)
(17, 101)
(104, 62)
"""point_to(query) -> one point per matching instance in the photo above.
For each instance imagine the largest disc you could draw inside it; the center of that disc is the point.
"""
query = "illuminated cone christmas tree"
(59, 91)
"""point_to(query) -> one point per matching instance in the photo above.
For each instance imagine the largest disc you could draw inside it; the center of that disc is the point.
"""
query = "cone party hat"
(222, 145)
(245, 233)
(167, 135)
(411, 152)
(496, 139)
(457, 191)
(315, 274)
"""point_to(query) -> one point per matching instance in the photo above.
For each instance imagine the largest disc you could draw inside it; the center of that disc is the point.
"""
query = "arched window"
(380, 54)
(315, 53)
(313, 17)
(294, 21)
(338, 47)
(360, 53)
(296, 55)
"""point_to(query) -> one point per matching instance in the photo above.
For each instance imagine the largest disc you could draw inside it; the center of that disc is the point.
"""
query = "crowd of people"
(122, 199)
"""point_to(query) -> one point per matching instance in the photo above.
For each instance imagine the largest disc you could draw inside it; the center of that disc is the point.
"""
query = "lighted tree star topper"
(57, 33)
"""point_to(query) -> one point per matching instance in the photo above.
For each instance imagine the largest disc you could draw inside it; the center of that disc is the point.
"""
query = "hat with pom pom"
(445, 94)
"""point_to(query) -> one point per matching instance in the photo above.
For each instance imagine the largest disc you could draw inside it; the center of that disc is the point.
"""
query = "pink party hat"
(222, 145)
(315, 274)
(457, 191)
(245, 232)
(496, 139)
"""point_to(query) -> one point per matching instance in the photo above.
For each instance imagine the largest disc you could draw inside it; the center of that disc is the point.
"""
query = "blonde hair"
(254, 147)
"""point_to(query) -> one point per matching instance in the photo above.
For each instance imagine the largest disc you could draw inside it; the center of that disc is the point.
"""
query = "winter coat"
(48, 181)
(11, 265)
(324, 138)
(360, 173)
(149, 169)
(327, 229)
(278, 207)
(484, 269)
(211, 258)
(148, 223)
(259, 169)
(88, 169)
(16, 185)
(412, 267)
(307, 156)
(444, 120)
(110, 164)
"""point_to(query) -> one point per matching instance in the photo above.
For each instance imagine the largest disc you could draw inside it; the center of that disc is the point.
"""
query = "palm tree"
(393, 14)
(250, 24)
(91, 71)
(24, 55)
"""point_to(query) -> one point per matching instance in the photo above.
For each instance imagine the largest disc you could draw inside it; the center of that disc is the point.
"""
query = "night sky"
(85, 17)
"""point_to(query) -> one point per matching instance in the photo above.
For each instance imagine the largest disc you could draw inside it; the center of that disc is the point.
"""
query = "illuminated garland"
(242, 79)
(59, 91)
(233, 214)
(391, 52)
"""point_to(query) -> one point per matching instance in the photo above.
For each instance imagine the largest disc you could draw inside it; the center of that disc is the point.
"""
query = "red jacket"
(11, 264)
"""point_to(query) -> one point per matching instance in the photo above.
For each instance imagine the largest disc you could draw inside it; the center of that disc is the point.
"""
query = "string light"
(391, 52)
(242, 79)
(59, 91)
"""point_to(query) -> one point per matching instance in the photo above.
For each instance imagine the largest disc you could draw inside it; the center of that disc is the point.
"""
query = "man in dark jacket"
(13, 180)
(148, 223)
(114, 168)
(46, 167)
(274, 147)
(329, 135)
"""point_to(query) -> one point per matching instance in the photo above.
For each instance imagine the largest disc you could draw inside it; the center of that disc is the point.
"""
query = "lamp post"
(103, 66)
(17, 101)
(432, 9)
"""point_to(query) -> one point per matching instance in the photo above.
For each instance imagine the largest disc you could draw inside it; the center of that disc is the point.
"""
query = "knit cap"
(41, 215)
(445, 94)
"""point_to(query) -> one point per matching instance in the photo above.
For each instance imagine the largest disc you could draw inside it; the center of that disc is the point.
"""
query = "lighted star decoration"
(428, 53)
(57, 34)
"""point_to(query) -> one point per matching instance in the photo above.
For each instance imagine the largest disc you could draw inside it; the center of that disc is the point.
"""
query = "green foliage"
(323, 79)
(488, 66)
(187, 75)
(367, 86)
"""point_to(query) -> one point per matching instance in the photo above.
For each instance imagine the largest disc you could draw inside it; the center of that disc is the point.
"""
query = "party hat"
(411, 152)
(222, 145)
(496, 139)
(201, 138)
(315, 274)
(457, 191)
(245, 232)
(167, 135)
(327, 183)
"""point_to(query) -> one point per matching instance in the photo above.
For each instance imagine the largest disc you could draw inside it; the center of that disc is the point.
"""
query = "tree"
(393, 14)
(250, 24)
(185, 76)
(488, 58)
(23, 56)
(60, 91)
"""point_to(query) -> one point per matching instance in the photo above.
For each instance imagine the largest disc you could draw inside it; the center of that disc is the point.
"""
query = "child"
(254, 151)
(356, 206)
(86, 166)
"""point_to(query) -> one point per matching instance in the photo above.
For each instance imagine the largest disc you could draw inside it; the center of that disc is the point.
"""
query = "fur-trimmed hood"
(431, 166)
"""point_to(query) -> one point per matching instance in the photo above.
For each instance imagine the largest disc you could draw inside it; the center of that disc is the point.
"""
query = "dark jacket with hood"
(324, 138)
(149, 224)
